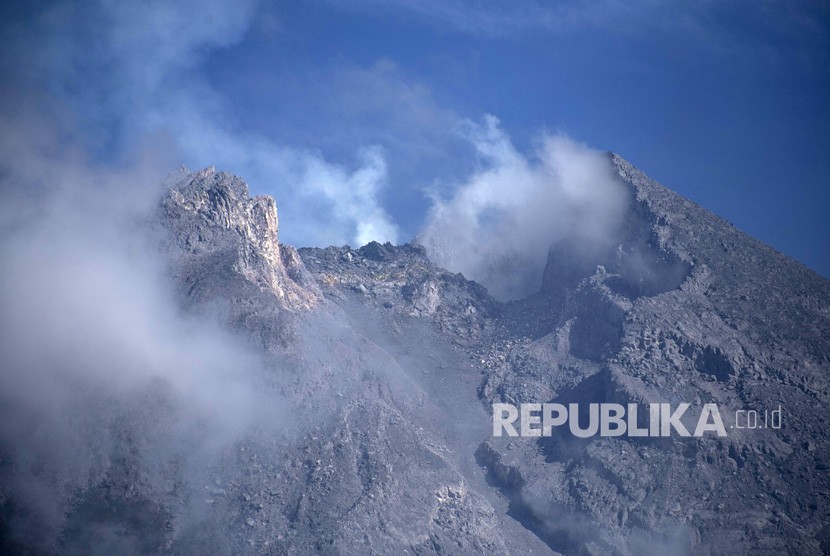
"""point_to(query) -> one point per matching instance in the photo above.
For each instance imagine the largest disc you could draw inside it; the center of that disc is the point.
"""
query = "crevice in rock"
(709, 360)
(562, 446)
(597, 329)
(509, 482)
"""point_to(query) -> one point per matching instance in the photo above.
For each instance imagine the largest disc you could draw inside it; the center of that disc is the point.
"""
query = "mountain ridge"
(388, 366)
(684, 294)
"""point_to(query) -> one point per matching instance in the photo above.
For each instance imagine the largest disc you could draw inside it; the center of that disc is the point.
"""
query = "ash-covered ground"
(360, 422)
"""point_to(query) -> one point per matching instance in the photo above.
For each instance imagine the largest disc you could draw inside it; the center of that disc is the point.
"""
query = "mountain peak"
(390, 366)
(211, 213)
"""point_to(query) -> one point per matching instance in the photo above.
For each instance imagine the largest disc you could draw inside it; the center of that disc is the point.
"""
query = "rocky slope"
(388, 366)
(709, 315)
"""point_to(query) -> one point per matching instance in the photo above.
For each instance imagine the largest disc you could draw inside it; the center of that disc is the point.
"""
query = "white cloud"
(94, 350)
(786, 32)
(138, 72)
(353, 196)
(511, 18)
(499, 224)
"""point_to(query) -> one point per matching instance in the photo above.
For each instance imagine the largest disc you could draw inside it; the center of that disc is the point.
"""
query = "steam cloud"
(96, 359)
(94, 352)
(498, 226)
(128, 70)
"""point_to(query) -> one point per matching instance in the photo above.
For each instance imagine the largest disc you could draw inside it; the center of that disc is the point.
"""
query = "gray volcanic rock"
(369, 466)
(402, 281)
(708, 315)
(220, 235)
(684, 308)
(388, 367)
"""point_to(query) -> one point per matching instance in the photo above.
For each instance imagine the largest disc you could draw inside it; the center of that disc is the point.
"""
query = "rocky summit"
(386, 367)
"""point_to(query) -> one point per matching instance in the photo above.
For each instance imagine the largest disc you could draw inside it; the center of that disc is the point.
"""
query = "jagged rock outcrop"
(403, 281)
(218, 230)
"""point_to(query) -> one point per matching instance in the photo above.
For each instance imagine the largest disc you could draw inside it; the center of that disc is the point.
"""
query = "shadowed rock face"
(390, 365)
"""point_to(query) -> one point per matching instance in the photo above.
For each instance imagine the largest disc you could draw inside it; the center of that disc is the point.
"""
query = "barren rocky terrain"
(386, 368)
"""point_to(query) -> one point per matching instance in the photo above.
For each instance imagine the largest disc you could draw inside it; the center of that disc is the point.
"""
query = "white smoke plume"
(498, 225)
(97, 357)
(128, 70)
(95, 352)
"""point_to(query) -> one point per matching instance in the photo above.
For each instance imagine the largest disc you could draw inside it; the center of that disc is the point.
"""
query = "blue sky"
(356, 116)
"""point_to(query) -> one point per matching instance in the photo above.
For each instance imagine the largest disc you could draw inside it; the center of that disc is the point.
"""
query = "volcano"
(387, 367)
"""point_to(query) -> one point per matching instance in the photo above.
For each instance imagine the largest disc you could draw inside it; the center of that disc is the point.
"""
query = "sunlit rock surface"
(388, 366)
